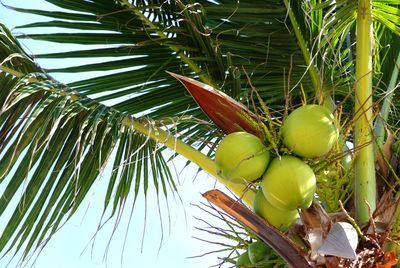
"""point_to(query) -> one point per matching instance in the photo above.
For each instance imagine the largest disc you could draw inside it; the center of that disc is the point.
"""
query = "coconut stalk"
(365, 185)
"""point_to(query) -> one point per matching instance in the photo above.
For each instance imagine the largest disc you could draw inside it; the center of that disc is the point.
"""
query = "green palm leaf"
(63, 142)
(63, 146)
(179, 39)
(56, 142)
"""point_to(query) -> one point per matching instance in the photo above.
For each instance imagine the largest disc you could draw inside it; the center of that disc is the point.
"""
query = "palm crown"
(301, 49)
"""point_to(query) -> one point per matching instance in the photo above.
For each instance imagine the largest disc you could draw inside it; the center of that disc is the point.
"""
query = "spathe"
(224, 111)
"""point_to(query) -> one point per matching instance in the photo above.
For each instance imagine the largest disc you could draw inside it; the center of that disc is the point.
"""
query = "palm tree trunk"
(365, 186)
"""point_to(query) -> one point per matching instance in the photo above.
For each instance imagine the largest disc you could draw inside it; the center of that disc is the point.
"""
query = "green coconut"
(280, 219)
(259, 251)
(241, 157)
(243, 259)
(310, 131)
(289, 183)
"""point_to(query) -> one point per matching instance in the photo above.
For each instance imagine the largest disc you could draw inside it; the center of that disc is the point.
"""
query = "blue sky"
(73, 246)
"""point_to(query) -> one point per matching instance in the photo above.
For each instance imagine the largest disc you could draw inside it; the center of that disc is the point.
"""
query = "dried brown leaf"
(389, 260)
(315, 217)
(331, 262)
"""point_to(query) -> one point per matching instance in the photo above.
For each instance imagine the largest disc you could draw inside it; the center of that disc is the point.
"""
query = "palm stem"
(365, 185)
(10, 71)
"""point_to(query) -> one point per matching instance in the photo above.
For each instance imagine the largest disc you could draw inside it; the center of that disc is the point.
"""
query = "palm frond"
(335, 42)
(387, 13)
(60, 149)
(55, 143)
(217, 42)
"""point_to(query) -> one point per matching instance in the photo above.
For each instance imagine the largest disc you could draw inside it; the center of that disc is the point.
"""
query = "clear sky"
(72, 246)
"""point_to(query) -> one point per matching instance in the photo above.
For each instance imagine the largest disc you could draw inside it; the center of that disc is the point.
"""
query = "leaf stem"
(10, 71)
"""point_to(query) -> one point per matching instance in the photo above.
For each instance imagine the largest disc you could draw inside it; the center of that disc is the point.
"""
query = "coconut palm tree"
(343, 55)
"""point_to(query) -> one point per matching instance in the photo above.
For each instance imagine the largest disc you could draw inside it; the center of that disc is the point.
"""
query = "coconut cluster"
(287, 182)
